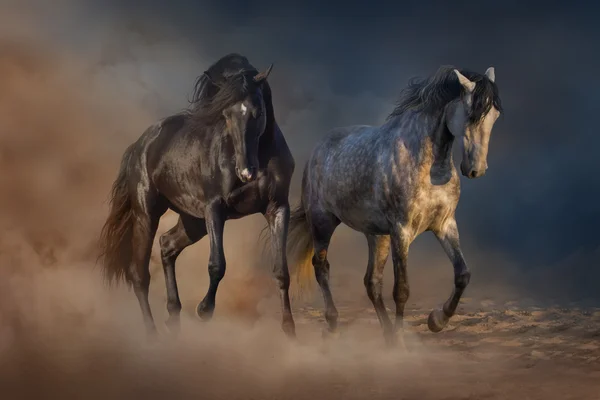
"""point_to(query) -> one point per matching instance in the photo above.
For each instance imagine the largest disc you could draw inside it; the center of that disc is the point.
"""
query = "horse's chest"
(431, 207)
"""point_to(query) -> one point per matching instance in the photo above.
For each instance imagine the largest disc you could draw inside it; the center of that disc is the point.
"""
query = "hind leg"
(379, 249)
(188, 231)
(449, 239)
(401, 239)
(323, 225)
(144, 229)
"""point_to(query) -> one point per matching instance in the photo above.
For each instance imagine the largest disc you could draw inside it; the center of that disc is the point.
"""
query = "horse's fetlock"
(461, 281)
(174, 307)
(331, 315)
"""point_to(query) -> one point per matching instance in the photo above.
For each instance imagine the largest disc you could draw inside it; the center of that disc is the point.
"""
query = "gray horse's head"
(472, 117)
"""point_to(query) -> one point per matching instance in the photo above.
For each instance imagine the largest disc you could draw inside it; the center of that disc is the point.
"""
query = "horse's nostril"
(473, 174)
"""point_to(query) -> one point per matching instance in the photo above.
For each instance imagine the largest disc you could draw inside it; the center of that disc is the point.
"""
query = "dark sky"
(345, 63)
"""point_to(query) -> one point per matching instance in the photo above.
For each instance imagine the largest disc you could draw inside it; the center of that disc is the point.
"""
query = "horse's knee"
(140, 284)
(216, 270)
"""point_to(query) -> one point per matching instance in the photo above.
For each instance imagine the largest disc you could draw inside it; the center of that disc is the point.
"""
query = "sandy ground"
(64, 336)
(74, 349)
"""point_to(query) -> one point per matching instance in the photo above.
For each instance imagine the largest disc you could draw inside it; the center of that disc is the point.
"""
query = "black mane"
(223, 69)
(226, 82)
(431, 95)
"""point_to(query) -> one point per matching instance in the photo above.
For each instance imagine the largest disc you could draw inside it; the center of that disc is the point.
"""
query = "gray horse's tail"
(299, 251)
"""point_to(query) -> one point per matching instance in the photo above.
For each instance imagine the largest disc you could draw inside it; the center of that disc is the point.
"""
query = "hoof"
(395, 341)
(289, 328)
(390, 339)
(329, 335)
(205, 312)
(437, 320)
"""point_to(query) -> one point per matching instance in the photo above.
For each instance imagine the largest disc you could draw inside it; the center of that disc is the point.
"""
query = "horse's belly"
(187, 204)
(368, 220)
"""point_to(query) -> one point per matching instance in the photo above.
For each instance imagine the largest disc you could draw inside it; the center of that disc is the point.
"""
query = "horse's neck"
(428, 136)
(267, 138)
(442, 141)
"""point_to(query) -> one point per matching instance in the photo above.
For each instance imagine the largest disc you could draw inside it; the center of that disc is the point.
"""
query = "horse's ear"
(465, 82)
(491, 74)
(262, 76)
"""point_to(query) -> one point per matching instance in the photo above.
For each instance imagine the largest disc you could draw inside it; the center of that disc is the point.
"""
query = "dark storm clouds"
(342, 65)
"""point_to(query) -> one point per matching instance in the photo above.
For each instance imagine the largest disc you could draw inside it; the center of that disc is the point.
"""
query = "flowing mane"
(226, 82)
(430, 95)
(207, 171)
(232, 90)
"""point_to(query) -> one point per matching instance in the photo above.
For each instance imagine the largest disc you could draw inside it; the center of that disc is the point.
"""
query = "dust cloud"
(65, 118)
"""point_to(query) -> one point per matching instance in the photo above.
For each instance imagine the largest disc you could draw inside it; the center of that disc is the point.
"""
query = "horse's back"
(339, 141)
(341, 174)
(164, 135)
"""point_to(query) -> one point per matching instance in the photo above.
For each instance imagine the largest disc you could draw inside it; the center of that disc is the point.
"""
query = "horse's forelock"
(485, 96)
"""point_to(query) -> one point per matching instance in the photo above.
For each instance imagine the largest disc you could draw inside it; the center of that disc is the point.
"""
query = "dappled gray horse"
(395, 181)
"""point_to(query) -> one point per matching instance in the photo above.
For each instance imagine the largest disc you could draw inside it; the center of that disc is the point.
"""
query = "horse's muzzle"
(247, 174)
(472, 173)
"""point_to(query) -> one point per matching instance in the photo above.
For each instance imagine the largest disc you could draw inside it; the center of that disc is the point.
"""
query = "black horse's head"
(239, 100)
(245, 122)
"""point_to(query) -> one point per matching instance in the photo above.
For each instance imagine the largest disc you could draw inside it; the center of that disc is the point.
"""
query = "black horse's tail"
(300, 250)
(116, 235)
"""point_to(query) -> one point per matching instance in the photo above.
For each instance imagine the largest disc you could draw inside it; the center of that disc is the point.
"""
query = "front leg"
(449, 239)
(215, 222)
(278, 217)
(246, 193)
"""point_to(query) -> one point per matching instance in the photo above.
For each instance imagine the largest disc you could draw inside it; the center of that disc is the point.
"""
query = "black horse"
(223, 158)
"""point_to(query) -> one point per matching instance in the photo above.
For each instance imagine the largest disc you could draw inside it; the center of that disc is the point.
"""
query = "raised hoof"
(204, 312)
(329, 335)
(173, 325)
(437, 320)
